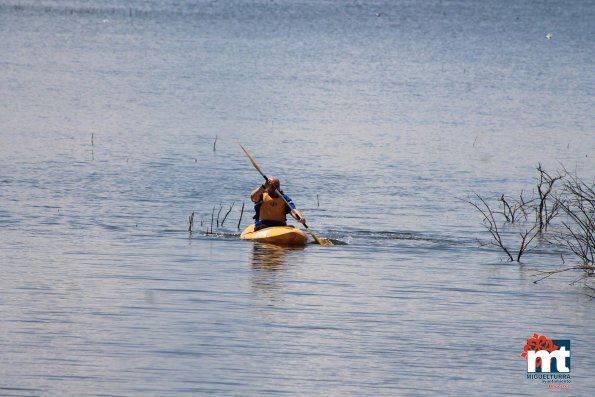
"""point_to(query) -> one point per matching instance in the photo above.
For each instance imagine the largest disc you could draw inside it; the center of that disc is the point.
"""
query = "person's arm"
(257, 193)
(295, 213)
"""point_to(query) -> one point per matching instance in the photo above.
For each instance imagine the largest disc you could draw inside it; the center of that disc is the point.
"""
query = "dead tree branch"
(491, 224)
(544, 188)
(562, 196)
(227, 213)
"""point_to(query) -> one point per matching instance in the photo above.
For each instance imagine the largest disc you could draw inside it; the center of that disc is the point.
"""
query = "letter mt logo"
(548, 360)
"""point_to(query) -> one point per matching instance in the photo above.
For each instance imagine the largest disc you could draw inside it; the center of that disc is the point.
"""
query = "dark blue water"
(121, 118)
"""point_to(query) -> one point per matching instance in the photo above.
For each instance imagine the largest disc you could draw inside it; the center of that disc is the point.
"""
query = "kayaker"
(271, 209)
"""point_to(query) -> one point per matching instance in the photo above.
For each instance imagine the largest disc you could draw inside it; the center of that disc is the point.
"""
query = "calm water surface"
(121, 118)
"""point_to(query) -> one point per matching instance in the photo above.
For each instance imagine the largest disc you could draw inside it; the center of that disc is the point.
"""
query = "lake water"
(121, 118)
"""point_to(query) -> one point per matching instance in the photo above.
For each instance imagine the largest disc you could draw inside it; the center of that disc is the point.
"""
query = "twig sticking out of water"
(215, 144)
(241, 214)
(190, 222)
(219, 213)
(491, 224)
(225, 217)
(548, 273)
(317, 201)
(212, 217)
(509, 211)
(544, 188)
(215, 220)
(92, 138)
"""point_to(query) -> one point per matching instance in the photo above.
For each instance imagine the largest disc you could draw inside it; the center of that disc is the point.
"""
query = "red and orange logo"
(538, 343)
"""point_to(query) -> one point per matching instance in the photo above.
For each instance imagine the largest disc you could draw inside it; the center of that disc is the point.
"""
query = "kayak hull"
(277, 235)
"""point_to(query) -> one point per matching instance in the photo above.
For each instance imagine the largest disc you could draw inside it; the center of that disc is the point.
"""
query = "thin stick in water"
(190, 222)
(241, 214)
(219, 213)
(225, 217)
(212, 217)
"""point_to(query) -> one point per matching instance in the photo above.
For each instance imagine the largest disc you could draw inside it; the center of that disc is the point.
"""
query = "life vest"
(271, 209)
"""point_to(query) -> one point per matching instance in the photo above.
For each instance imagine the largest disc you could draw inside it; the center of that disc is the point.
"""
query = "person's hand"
(272, 183)
(299, 217)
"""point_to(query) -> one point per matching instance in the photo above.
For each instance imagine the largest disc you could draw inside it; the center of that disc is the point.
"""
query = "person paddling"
(271, 209)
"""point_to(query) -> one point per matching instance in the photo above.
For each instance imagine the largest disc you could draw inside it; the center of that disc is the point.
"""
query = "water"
(378, 117)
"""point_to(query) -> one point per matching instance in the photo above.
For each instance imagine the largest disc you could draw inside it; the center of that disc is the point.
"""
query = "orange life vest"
(272, 209)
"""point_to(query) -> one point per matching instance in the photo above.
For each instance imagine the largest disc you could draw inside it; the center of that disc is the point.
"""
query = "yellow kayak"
(277, 235)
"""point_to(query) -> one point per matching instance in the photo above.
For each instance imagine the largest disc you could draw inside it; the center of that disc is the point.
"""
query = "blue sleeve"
(291, 204)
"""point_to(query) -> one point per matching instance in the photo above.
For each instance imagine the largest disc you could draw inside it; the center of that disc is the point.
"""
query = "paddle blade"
(251, 159)
(321, 241)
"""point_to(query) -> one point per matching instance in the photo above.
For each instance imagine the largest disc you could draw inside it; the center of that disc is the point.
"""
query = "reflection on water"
(269, 258)
(269, 264)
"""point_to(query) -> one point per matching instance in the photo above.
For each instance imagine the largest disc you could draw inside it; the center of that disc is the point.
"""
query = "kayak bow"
(277, 235)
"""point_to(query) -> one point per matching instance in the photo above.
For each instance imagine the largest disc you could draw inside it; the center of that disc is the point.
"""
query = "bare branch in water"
(225, 217)
(562, 196)
(491, 224)
(212, 218)
(589, 271)
(241, 214)
(219, 213)
(190, 222)
(544, 188)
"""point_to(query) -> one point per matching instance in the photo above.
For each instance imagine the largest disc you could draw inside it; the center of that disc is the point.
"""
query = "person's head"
(273, 184)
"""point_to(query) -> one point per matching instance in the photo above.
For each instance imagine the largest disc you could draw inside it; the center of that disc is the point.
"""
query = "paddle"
(314, 236)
